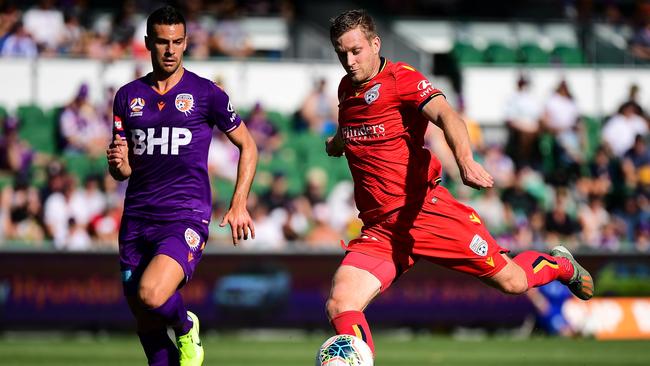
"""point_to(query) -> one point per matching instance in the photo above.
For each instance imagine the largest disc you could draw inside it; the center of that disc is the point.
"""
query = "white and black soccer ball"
(344, 350)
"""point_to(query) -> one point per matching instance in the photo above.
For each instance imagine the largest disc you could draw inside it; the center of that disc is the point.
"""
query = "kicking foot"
(189, 345)
(581, 284)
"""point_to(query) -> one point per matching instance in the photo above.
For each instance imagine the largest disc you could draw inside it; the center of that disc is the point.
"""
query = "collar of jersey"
(381, 68)
(151, 84)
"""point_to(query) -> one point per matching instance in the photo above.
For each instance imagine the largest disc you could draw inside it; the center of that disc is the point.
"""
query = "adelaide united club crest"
(372, 94)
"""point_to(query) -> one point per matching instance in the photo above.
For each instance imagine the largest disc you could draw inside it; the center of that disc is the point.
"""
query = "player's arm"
(118, 159)
(237, 216)
(438, 111)
(334, 145)
(117, 153)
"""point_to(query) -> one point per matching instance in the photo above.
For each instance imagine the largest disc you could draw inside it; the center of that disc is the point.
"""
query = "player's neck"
(162, 82)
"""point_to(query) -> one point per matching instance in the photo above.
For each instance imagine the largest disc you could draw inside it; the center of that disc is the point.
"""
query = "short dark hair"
(351, 19)
(166, 15)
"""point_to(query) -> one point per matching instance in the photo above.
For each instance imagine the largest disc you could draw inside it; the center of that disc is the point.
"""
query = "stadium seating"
(38, 128)
(500, 54)
(568, 55)
(83, 166)
(533, 54)
(224, 189)
(3, 114)
(611, 44)
(593, 126)
(466, 54)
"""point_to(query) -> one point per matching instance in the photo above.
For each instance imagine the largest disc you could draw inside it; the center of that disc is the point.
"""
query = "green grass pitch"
(18, 349)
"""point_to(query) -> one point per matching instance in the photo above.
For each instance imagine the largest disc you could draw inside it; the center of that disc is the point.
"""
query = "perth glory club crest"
(192, 238)
(185, 103)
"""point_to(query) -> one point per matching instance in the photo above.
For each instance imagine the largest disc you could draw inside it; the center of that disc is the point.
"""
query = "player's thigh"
(160, 280)
(453, 235)
(352, 289)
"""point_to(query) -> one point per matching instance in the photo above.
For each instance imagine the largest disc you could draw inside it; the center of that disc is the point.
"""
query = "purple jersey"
(169, 136)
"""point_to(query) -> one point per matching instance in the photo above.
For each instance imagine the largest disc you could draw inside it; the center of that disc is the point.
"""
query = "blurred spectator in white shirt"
(222, 157)
(319, 111)
(23, 207)
(522, 114)
(561, 119)
(560, 112)
(621, 130)
(593, 218)
(46, 24)
(268, 228)
(59, 209)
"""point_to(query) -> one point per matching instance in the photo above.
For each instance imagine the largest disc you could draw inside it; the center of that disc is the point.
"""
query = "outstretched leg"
(533, 269)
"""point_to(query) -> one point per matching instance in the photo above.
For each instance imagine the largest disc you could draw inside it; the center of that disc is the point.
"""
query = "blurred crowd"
(562, 177)
(559, 177)
(70, 27)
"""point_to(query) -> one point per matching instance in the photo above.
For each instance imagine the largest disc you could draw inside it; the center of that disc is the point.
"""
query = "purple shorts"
(141, 239)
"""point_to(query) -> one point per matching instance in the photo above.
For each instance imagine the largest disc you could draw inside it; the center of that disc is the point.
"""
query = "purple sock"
(160, 350)
(175, 315)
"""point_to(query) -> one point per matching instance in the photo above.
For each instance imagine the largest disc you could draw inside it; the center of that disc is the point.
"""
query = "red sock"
(542, 268)
(353, 323)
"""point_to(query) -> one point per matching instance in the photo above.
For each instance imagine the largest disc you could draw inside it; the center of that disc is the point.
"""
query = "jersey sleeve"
(221, 112)
(119, 114)
(413, 88)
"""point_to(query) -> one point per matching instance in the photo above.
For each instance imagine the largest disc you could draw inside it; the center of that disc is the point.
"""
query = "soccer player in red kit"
(384, 110)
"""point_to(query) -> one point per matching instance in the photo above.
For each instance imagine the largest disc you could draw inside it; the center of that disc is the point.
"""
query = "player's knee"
(151, 297)
(335, 306)
(331, 308)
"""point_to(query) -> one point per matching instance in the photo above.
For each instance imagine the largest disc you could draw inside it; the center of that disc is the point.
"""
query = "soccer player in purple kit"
(162, 131)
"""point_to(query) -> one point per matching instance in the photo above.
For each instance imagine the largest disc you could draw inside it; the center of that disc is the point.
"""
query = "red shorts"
(442, 231)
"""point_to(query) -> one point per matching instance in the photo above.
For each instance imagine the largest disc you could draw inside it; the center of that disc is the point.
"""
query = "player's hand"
(240, 224)
(334, 147)
(474, 175)
(117, 153)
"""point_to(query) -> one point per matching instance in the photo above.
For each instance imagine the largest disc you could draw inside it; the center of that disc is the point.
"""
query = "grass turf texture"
(233, 350)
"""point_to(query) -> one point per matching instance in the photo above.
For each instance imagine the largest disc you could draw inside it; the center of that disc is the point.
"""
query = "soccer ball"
(344, 350)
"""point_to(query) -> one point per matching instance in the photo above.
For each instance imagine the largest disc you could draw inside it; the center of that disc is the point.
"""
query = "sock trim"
(542, 262)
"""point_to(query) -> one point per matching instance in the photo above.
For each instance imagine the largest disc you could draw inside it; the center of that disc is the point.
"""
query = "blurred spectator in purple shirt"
(19, 43)
(16, 157)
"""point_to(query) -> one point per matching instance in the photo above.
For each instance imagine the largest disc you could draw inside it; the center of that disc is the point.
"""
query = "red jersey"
(383, 129)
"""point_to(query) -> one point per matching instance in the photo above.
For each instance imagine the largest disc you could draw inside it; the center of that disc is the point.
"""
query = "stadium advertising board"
(611, 318)
(83, 291)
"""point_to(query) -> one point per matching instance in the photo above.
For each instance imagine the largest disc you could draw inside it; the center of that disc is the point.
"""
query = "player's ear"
(146, 43)
(376, 45)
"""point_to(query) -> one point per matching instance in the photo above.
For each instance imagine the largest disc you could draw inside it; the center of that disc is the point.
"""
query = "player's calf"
(541, 268)
(353, 323)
